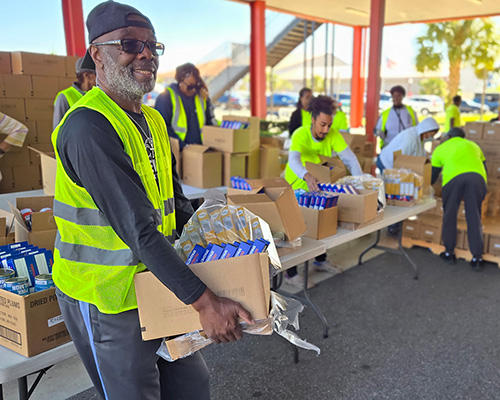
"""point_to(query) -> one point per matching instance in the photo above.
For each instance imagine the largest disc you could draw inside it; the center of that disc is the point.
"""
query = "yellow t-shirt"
(452, 112)
(310, 150)
(340, 121)
(458, 156)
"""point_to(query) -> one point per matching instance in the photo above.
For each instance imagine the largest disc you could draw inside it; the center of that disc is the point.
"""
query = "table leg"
(1, 392)
(22, 385)
(372, 246)
(295, 354)
(402, 250)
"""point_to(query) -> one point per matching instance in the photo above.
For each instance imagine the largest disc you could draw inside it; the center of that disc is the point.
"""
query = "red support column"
(373, 89)
(258, 59)
(363, 65)
(356, 89)
(74, 28)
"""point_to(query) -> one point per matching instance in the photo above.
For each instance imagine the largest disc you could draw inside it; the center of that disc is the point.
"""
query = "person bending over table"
(464, 178)
(308, 143)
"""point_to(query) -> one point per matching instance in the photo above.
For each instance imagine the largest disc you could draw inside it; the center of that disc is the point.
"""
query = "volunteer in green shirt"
(339, 118)
(453, 114)
(311, 141)
(464, 178)
(301, 116)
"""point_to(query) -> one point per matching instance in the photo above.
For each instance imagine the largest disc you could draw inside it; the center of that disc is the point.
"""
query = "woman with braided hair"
(186, 106)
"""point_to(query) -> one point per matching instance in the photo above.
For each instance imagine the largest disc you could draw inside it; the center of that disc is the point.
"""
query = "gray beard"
(121, 81)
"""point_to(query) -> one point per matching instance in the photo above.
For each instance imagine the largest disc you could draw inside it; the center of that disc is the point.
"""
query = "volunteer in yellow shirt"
(464, 178)
(453, 114)
(309, 142)
(339, 118)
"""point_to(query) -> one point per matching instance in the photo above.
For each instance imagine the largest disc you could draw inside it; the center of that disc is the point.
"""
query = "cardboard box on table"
(48, 166)
(43, 226)
(274, 141)
(474, 130)
(244, 279)
(274, 201)
(419, 165)
(269, 161)
(358, 208)
(6, 231)
(356, 143)
(175, 147)
(233, 140)
(233, 165)
(201, 166)
(330, 169)
(253, 164)
(32, 324)
(37, 64)
(320, 223)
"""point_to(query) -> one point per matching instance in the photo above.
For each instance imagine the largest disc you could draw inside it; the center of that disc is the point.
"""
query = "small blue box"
(215, 253)
(195, 255)
(243, 249)
(229, 252)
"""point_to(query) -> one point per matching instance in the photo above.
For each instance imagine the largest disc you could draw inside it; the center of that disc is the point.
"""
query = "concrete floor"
(391, 337)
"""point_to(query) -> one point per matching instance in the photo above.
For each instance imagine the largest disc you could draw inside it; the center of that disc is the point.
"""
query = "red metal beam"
(356, 100)
(373, 88)
(258, 59)
(74, 28)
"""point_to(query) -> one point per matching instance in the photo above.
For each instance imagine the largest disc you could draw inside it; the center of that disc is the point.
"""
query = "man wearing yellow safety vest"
(397, 118)
(118, 204)
(301, 116)
(185, 106)
(85, 75)
(464, 178)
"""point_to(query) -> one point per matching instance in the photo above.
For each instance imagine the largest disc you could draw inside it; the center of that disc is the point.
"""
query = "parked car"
(282, 100)
(425, 103)
(229, 102)
(490, 99)
(470, 106)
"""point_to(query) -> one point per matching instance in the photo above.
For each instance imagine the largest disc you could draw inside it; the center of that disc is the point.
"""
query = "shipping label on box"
(14, 108)
(430, 233)
(494, 245)
(5, 63)
(474, 130)
(17, 86)
(31, 324)
(320, 223)
(24, 63)
(358, 208)
(244, 279)
(201, 166)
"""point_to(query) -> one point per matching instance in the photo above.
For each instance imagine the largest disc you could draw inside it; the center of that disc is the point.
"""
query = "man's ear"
(96, 55)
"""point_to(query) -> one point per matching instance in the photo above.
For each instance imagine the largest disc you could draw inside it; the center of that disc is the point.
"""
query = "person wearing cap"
(185, 106)
(118, 203)
(395, 119)
(453, 114)
(16, 133)
(410, 142)
(65, 99)
(461, 162)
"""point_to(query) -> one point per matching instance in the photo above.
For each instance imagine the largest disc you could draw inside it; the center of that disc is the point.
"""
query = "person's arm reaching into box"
(15, 131)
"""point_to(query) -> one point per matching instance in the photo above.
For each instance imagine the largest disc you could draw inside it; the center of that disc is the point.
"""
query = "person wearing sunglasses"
(186, 106)
(85, 80)
(118, 203)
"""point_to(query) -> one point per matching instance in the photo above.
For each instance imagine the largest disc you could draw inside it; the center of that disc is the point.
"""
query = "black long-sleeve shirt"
(295, 121)
(93, 156)
(164, 106)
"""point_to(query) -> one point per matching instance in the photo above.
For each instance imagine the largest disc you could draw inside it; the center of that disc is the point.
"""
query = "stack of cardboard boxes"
(428, 226)
(363, 150)
(29, 83)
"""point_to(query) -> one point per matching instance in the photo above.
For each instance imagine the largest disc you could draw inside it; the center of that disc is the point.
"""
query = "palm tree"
(457, 42)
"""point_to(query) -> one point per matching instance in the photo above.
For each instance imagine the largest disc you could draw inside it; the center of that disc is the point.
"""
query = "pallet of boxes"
(29, 83)
(426, 229)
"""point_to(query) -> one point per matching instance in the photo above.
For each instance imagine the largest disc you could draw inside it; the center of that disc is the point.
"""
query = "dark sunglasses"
(135, 46)
(192, 87)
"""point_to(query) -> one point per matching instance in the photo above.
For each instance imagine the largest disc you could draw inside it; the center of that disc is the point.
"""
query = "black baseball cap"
(107, 17)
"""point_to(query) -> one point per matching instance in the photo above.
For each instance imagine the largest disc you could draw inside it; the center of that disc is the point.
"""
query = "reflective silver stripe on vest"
(169, 206)
(80, 216)
(94, 255)
(175, 121)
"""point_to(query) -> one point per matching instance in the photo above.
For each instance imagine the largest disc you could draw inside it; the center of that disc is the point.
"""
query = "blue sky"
(190, 29)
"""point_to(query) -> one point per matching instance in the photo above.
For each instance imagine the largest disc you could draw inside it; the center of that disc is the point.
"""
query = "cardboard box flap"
(290, 213)
(419, 165)
(162, 314)
(39, 221)
(9, 221)
(197, 148)
(331, 161)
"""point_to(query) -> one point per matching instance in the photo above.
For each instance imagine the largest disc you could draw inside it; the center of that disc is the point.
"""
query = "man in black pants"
(464, 178)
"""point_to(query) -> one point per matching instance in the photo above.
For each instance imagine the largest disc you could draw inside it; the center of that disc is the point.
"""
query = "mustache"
(148, 65)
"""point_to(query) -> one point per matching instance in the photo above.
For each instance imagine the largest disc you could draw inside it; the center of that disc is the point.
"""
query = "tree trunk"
(454, 82)
(483, 95)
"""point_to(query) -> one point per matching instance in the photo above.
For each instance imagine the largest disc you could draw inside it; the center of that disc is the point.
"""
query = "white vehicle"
(425, 103)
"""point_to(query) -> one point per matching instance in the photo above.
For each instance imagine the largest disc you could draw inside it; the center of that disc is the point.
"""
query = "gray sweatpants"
(471, 188)
(121, 365)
